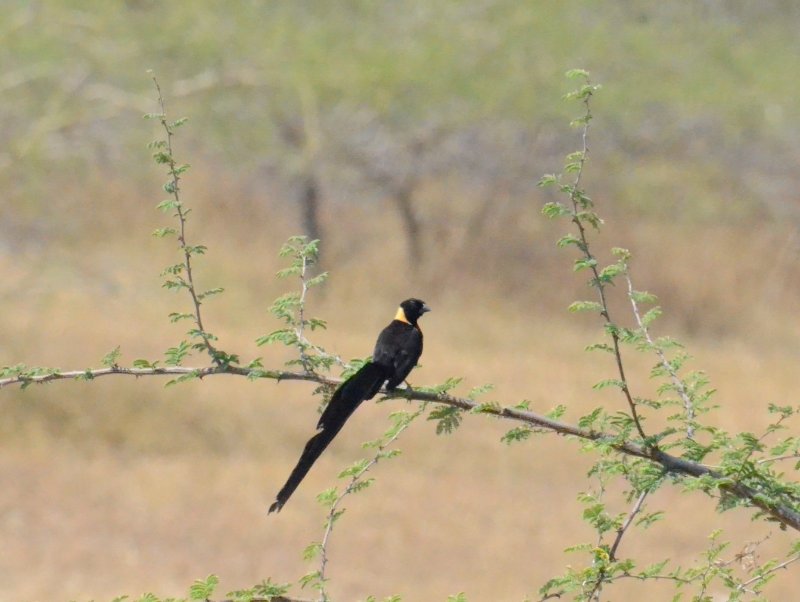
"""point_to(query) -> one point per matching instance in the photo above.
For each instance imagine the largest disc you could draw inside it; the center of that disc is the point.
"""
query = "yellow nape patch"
(401, 316)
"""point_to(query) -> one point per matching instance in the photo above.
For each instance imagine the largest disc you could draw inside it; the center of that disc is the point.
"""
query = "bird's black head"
(411, 310)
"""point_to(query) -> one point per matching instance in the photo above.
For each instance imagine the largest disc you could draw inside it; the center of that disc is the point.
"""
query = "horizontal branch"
(673, 464)
(272, 599)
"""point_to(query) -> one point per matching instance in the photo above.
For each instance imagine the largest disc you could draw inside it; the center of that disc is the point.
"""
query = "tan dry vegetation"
(121, 485)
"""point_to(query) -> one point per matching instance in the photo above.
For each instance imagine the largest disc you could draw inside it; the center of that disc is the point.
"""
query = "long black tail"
(363, 385)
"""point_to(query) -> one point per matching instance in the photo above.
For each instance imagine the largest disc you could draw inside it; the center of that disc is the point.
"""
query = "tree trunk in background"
(411, 224)
(309, 206)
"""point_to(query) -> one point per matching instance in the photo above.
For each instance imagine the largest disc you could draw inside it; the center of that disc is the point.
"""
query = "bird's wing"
(399, 348)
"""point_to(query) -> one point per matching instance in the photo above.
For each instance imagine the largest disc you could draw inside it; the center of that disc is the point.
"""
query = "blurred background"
(408, 136)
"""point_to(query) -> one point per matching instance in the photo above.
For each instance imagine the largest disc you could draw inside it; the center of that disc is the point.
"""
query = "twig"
(774, 569)
(302, 322)
(793, 456)
(575, 196)
(271, 599)
(303, 342)
(181, 213)
(679, 384)
(637, 507)
(612, 552)
(332, 513)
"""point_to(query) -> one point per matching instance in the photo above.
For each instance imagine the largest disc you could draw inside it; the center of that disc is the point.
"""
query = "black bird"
(397, 350)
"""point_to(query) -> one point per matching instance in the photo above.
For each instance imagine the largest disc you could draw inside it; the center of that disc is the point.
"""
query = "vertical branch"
(304, 255)
(594, 595)
(301, 323)
(309, 200)
(580, 203)
(173, 188)
(637, 507)
(356, 483)
(680, 386)
(403, 199)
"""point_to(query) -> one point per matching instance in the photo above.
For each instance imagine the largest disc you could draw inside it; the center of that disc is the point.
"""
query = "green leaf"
(193, 375)
(287, 336)
(312, 550)
(608, 382)
(476, 392)
(176, 316)
(86, 375)
(210, 293)
(315, 323)
(577, 74)
(361, 485)
(579, 306)
(643, 297)
(569, 239)
(309, 579)
(317, 280)
(651, 315)
(554, 209)
(599, 347)
(167, 205)
(110, 359)
(490, 407)
(162, 232)
(449, 419)
(590, 419)
(448, 385)
(354, 469)
(175, 355)
(195, 249)
(547, 180)
(584, 263)
(328, 497)
(202, 589)
(517, 434)
(174, 284)
(608, 273)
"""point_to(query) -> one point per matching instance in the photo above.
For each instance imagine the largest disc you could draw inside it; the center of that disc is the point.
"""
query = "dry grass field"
(119, 486)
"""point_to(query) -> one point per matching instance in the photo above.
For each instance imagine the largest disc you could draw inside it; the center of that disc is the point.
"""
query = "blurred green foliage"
(449, 111)
(74, 72)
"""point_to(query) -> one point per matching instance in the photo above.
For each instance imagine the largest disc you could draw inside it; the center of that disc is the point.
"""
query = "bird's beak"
(425, 308)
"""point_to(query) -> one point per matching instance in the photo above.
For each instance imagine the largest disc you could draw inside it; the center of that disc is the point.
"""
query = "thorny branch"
(303, 343)
(637, 507)
(577, 198)
(355, 479)
(182, 214)
(782, 513)
(270, 599)
(612, 552)
(680, 387)
(302, 322)
(760, 576)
